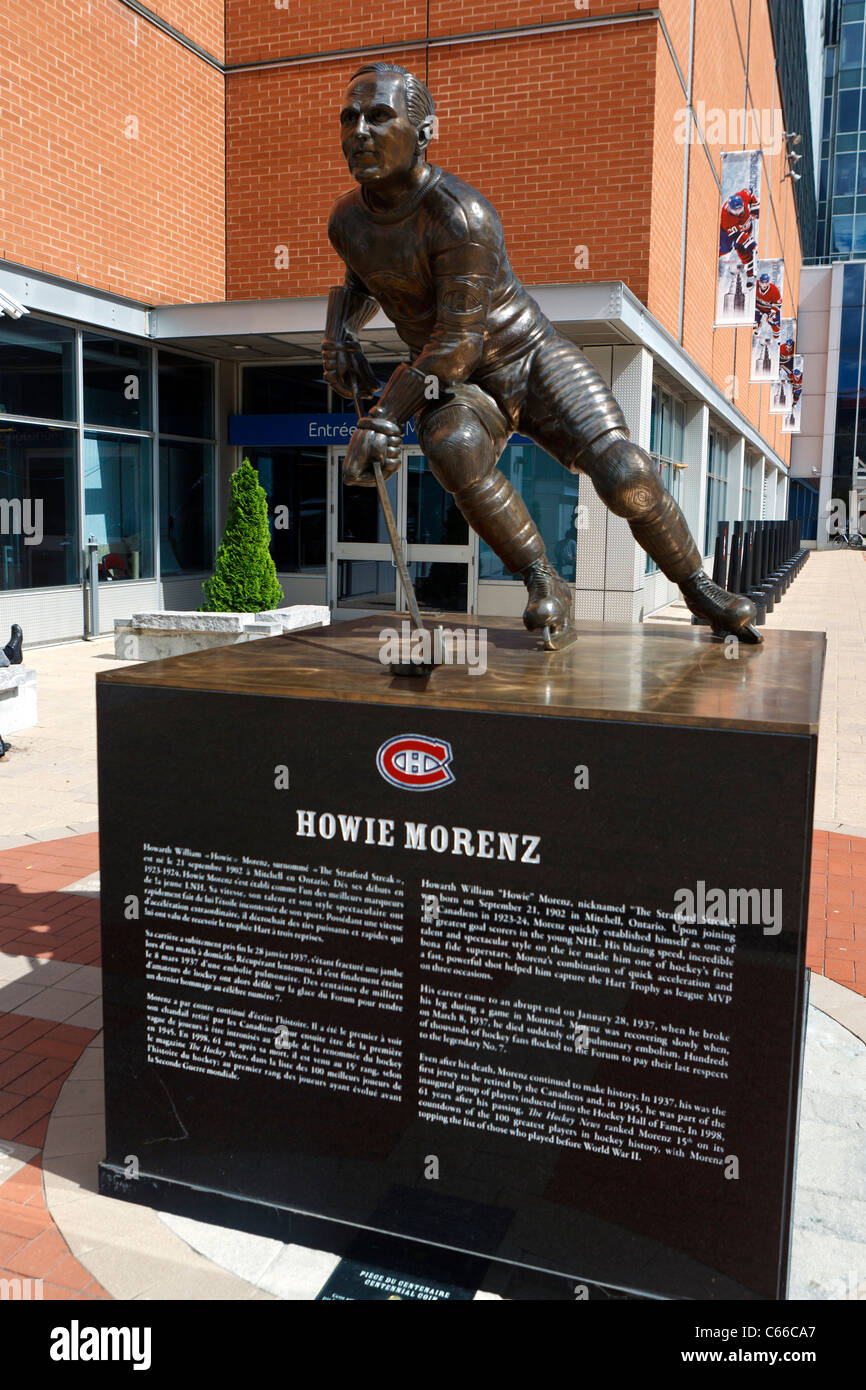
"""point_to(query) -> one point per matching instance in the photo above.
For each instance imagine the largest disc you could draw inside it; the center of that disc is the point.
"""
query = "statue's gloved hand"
(373, 439)
(347, 369)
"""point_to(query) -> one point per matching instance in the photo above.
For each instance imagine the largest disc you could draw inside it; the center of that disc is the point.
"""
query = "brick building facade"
(168, 172)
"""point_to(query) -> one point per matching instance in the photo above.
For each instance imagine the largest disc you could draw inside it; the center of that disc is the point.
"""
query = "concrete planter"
(153, 636)
(18, 708)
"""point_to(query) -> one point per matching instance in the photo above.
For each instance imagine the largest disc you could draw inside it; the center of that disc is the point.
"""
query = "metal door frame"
(381, 551)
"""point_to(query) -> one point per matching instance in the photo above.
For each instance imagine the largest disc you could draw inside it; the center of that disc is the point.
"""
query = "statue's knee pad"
(627, 481)
(457, 445)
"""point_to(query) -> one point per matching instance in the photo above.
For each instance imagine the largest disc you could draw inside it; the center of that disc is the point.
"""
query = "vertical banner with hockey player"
(768, 321)
(780, 396)
(791, 418)
(738, 238)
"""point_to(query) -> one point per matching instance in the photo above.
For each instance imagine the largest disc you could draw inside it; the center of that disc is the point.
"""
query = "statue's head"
(386, 122)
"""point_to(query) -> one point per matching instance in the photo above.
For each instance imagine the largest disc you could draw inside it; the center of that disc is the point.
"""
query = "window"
(667, 445)
(281, 389)
(37, 373)
(848, 110)
(803, 503)
(717, 487)
(849, 348)
(186, 512)
(845, 174)
(295, 479)
(432, 515)
(185, 396)
(38, 507)
(550, 494)
(186, 464)
(118, 504)
(842, 234)
(44, 467)
(751, 488)
(852, 288)
(116, 382)
(851, 49)
(296, 483)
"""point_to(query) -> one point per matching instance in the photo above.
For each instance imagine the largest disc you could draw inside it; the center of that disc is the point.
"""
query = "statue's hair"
(419, 102)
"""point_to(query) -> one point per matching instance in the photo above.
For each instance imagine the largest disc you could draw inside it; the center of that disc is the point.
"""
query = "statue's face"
(378, 138)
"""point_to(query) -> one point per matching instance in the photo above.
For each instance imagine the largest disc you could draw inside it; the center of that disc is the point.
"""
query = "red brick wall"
(79, 198)
(719, 83)
(203, 21)
(472, 16)
(663, 238)
(571, 136)
(530, 122)
(676, 17)
(256, 29)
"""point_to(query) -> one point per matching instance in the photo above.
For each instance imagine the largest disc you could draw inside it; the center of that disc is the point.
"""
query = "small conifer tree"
(245, 577)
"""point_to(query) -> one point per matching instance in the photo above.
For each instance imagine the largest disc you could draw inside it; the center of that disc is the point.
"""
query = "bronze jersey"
(437, 265)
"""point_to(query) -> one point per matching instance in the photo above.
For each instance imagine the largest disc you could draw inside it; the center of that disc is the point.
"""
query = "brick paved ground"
(38, 919)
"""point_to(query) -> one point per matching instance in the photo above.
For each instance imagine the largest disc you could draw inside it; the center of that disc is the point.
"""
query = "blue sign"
(308, 431)
(294, 431)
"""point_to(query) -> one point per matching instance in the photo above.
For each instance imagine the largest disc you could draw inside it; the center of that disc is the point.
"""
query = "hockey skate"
(548, 607)
(727, 614)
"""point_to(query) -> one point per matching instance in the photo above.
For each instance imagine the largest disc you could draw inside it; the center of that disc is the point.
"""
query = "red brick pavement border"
(36, 1056)
(36, 917)
(836, 942)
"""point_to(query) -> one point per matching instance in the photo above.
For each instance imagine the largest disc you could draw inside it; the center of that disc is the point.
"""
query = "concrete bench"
(152, 636)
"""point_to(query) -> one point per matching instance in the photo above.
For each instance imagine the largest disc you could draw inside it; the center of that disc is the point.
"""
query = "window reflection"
(296, 484)
(116, 382)
(185, 396)
(186, 540)
(717, 487)
(550, 494)
(848, 110)
(38, 512)
(118, 504)
(432, 515)
(667, 444)
(37, 369)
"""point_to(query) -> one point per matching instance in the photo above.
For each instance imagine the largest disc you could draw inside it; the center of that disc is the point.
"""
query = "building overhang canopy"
(602, 314)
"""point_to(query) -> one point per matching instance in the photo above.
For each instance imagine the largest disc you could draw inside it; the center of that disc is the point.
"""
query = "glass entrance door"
(440, 551)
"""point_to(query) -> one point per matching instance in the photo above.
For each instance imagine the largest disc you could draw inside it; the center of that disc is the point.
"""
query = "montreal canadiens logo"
(417, 763)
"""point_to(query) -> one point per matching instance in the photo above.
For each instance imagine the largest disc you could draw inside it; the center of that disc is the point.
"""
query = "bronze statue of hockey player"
(485, 362)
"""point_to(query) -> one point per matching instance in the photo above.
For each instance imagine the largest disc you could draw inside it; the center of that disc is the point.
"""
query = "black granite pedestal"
(509, 963)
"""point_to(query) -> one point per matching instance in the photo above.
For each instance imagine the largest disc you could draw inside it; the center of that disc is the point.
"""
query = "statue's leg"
(462, 452)
(571, 413)
(628, 481)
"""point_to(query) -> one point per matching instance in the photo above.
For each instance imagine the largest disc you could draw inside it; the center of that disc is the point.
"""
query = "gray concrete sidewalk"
(829, 595)
(48, 779)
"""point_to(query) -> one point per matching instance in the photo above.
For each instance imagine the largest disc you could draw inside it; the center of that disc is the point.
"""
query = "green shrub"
(244, 578)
